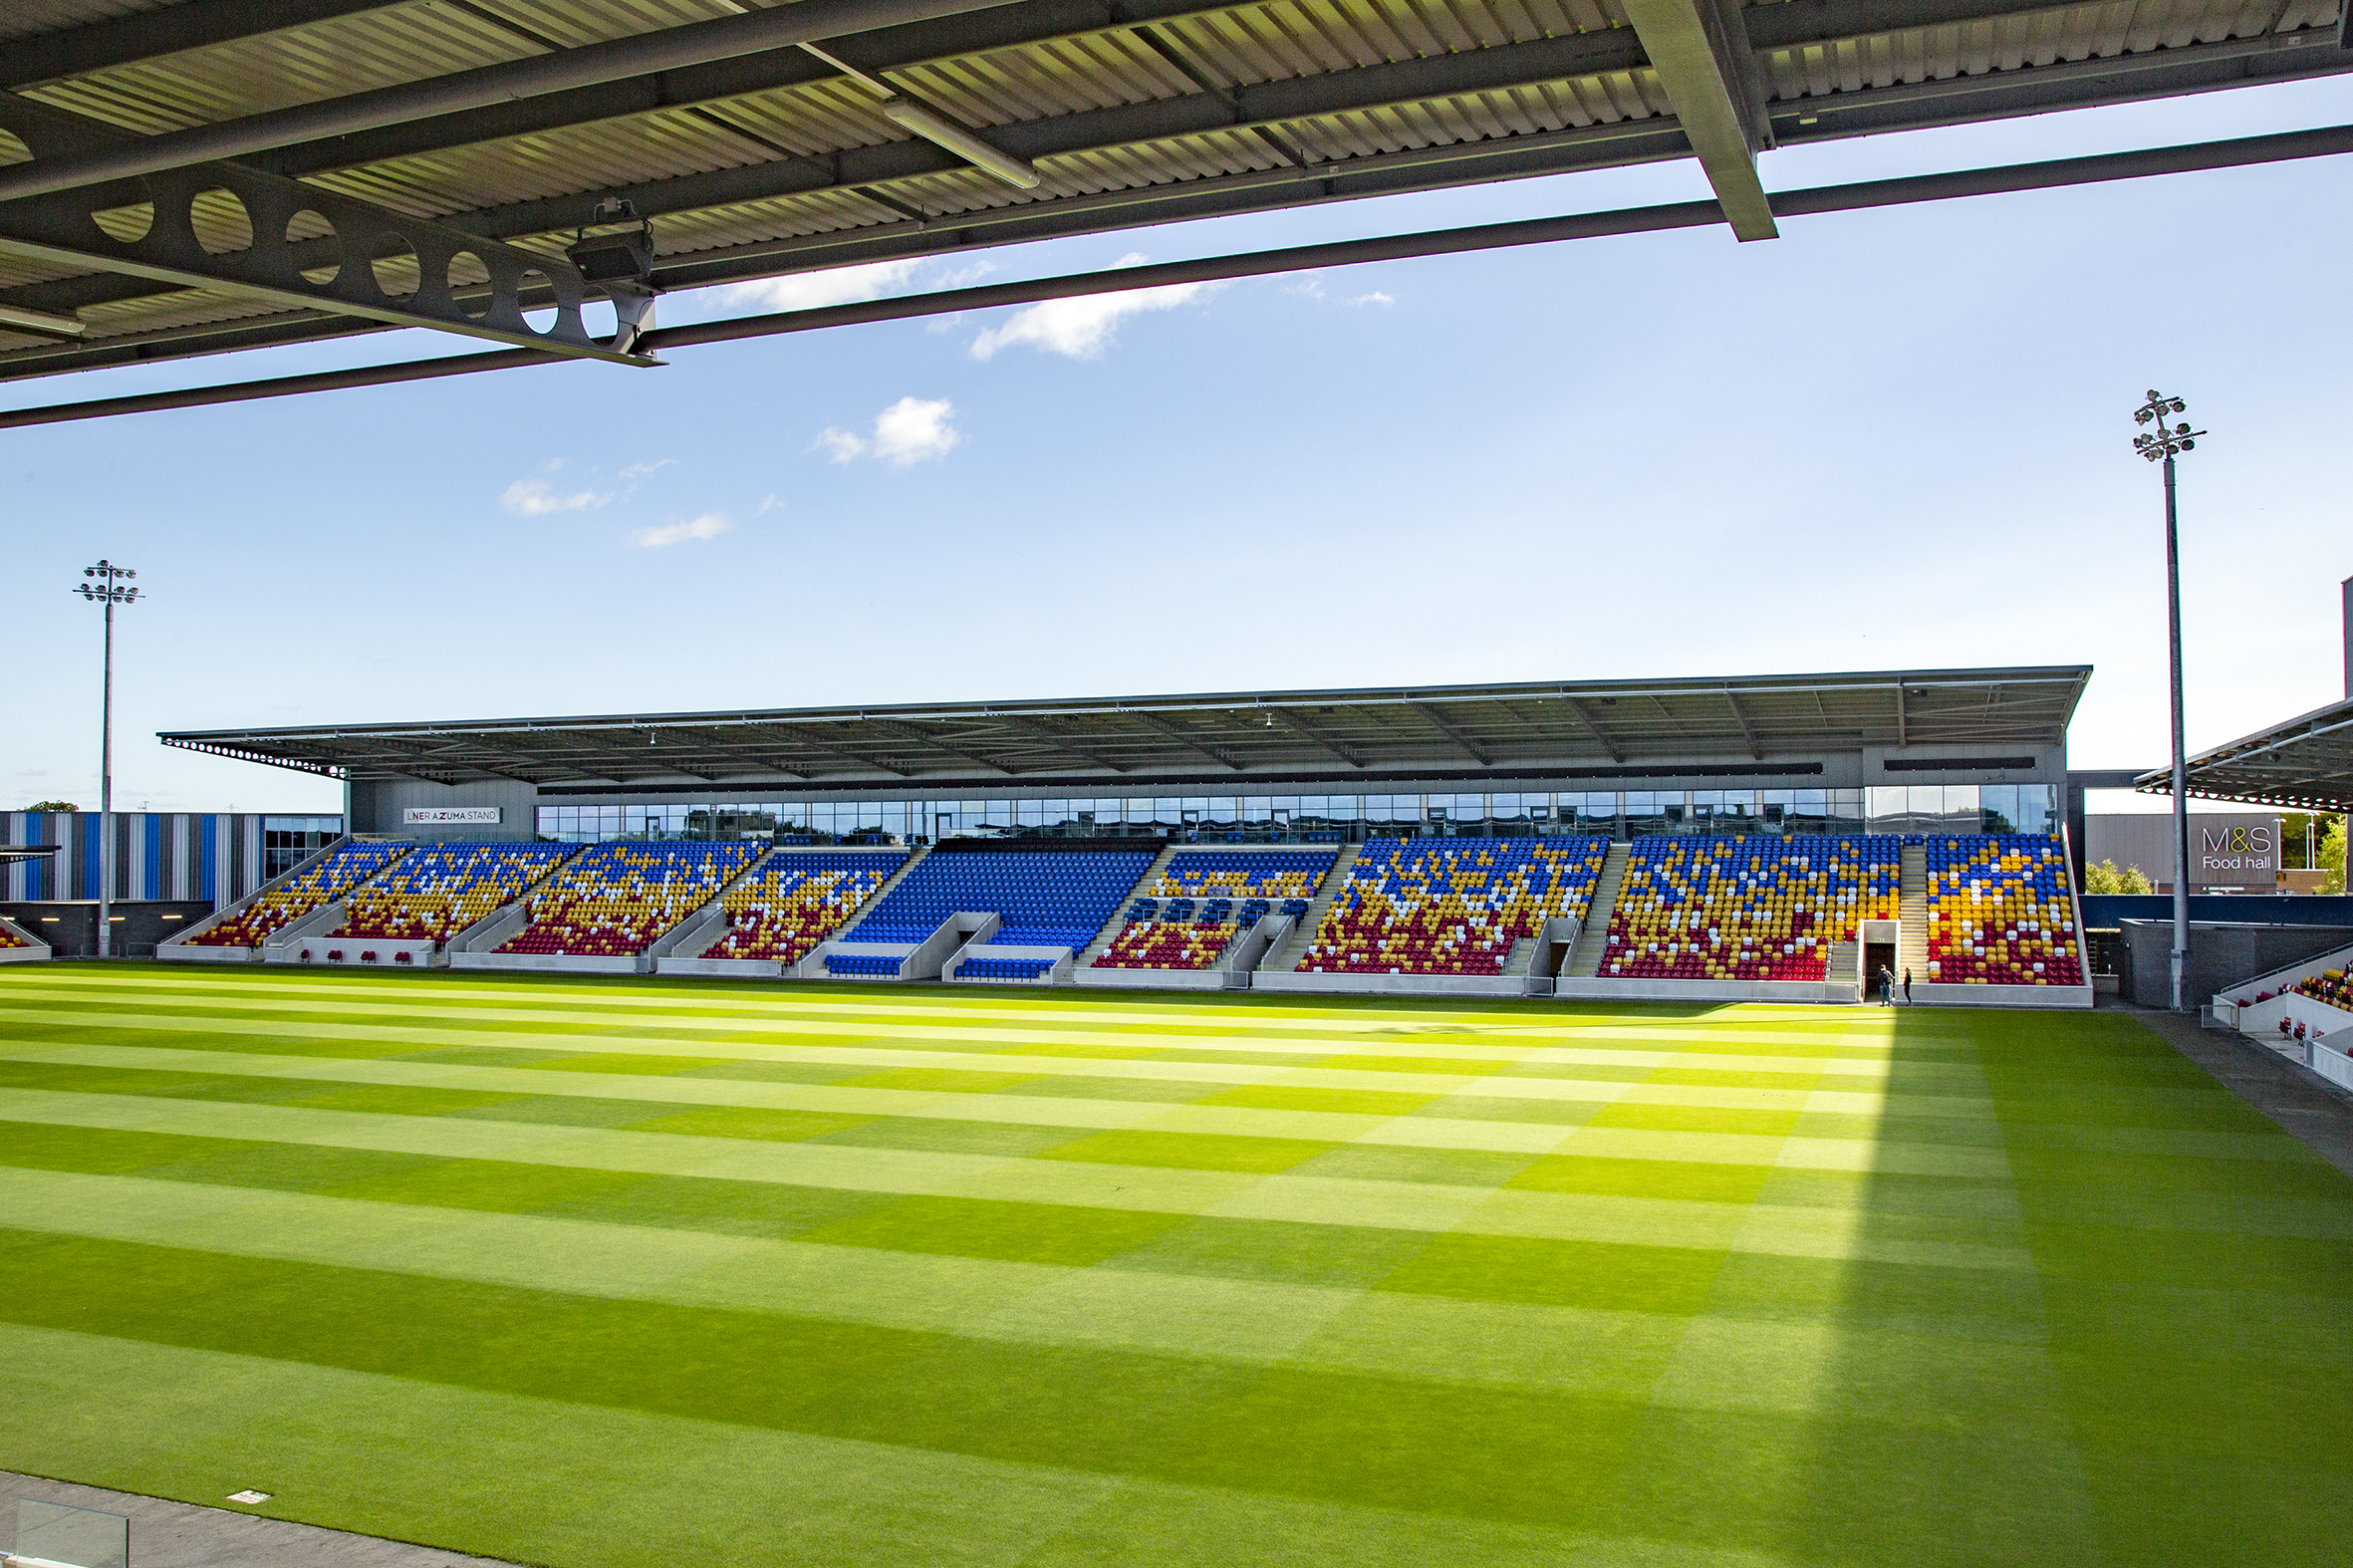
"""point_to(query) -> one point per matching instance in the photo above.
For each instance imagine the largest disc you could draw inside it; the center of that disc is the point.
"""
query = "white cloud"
(708, 526)
(841, 445)
(770, 502)
(805, 291)
(640, 470)
(1373, 298)
(1081, 328)
(914, 429)
(908, 431)
(537, 498)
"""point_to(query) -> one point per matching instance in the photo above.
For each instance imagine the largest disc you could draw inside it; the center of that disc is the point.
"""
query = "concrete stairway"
(1585, 960)
(889, 883)
(1294, 946)
(1911, 915)
(1843, 963)
(1111, 928)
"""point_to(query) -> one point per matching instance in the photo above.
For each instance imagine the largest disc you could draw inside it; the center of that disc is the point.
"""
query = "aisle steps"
(1911, 915)
(1112, 927)
(1286, 958)
(1585, 960)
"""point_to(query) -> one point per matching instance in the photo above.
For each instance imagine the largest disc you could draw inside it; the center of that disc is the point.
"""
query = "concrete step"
(1286, 956)
(1911, 913)
(1585, 960)
(1111, 928)
(1843, 963)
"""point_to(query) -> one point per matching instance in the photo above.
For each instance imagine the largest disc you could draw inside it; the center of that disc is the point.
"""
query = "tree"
(53, 805)
(2332, 858)
(2105, 878)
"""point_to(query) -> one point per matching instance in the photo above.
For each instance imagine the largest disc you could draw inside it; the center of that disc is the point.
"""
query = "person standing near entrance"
(1885, 981)
(1906, 985)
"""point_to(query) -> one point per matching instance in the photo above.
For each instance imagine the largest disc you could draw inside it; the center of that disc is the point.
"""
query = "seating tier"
(1451, 905)
(1045, 900)
(612, 899)
(2331, 987)
(2000, 911)
(277, 908)
(1211, 895)
(1692, 908)
(440, 888)
(789, 905)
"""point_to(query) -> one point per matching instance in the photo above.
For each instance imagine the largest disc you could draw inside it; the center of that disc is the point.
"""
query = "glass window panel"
(1890, 808)
(2038, 809)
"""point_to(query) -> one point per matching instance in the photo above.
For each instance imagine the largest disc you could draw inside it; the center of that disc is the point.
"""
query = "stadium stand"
(615, 899)
(2330, 987)
(441, 889)
(789, 905)
(2000, 913)
(1202, 899)
(1004, 968)
(274, 908)
(9, 936)
(1044, 899)
(1758, 909)
(1450, 905)
(860, 964)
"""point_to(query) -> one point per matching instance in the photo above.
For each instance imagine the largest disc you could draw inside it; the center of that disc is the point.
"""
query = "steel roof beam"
(1318, 736)
(1329, 93)
(697, 43)
(1747, 730)
(2152, 76)
(1703, 71)
(1054, 739)
(898, 48)
(148, 34)
(273, 267)
(1161, 726)
(2327, 141)
(925, 737)
(1478, 753)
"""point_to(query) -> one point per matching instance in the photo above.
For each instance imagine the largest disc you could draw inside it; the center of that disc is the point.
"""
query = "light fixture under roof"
(58, 326)
(935, 126)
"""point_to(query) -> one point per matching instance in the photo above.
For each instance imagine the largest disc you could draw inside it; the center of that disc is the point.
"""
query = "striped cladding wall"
(158, 855)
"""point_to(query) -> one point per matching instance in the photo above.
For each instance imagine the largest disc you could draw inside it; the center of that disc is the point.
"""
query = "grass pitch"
(587, 1273)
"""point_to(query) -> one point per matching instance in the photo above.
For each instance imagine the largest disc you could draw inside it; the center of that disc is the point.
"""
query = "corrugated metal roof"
(26, 18)
(1215, 102)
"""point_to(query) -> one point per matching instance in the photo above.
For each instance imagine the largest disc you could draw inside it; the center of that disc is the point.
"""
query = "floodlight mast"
(105, 587)
(2156, 444)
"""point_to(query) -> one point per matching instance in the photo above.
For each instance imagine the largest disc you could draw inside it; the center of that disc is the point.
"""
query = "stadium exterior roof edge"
(2305, 762)
(1465, 730)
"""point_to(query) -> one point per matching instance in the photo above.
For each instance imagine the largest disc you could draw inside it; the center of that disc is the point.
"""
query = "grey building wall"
(2223, 847)
(2220, 957)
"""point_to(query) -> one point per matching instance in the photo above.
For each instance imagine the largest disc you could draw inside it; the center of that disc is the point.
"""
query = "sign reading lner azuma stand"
(444, 816)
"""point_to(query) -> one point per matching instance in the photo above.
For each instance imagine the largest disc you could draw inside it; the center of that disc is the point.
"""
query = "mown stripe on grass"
(1305, 1432)
(437, 1068)
(820, 1162)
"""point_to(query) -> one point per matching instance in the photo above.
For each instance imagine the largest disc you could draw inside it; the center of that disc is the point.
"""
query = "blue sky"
(1889, 438)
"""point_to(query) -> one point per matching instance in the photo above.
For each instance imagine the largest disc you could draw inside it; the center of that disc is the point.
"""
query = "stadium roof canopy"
(193, 177)
(1592, 728)
(2306, 763)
